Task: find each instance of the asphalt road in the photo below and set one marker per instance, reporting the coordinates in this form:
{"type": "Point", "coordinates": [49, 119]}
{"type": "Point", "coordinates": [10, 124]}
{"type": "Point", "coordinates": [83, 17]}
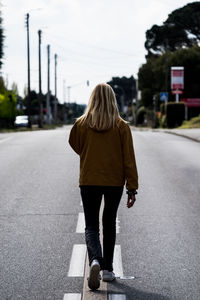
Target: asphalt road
{"type": "Point", "coordinates": [40, 203]}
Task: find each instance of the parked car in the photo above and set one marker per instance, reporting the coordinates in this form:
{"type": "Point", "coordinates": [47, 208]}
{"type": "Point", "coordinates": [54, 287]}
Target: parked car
{"type": "Point", "coordinates": [21, 121]}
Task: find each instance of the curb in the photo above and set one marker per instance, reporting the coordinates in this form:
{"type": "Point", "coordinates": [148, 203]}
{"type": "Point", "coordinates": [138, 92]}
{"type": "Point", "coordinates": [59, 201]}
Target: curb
{"type": "Point", "coordinates": [178, 134]}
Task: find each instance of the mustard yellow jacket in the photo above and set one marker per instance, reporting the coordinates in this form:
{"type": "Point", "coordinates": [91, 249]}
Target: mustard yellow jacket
{"type": "Point", "coordinates": [106, 157]}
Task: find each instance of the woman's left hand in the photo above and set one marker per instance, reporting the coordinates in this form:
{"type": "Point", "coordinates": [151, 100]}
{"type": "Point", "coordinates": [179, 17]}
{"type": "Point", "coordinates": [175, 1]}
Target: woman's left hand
{"type": "Point", "coordinates": [131, 200]}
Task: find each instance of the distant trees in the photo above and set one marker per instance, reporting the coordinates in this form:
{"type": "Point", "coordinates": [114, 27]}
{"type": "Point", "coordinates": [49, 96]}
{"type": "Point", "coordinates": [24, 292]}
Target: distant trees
{"type": "Point", "coordinates": [125, 90]}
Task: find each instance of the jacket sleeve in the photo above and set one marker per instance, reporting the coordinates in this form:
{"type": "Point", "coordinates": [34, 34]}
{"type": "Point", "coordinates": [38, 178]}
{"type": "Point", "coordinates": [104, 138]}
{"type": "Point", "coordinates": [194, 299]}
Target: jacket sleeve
{"type": "Point", "coordinates": [74, 139]}
{"type": "Point", "coordinates": [130, 168]}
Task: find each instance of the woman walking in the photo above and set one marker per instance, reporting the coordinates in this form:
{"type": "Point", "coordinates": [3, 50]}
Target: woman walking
{"type": "Point", "coordinates": [103, 141]}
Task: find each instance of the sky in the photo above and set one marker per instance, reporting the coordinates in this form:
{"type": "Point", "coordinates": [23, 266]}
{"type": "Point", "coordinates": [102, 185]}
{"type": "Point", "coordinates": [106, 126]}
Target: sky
{"type": "Point", "coordinates": [94, 40]}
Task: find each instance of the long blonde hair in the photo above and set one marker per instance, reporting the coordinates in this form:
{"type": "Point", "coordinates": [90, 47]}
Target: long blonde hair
{"type": "Point", "coordinates": [102, 112]}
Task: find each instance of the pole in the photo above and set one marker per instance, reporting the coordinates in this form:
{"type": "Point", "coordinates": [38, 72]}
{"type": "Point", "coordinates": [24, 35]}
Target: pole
{"type": "Point", "coordinates": [177, 97]}
{"type": "Point", "coordinates": [166, 66]}
{"type": "Point", "coordinates": [55, 98]}
{"type": "Point", "coordinates": [40, 83]}
{"type": "Point", "coordinates": [69, 87]}
{"type": "Point", "coordinates": [64, 100]}
{"type": "Point", "coordinates": [48, 85]}
{"type": "Point", "coordinates": [28, 61]}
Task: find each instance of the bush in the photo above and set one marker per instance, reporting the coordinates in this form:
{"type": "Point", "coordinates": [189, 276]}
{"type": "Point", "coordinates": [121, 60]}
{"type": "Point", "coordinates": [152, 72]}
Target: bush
{"type": "Point", "coordinates": [7, 109]}
{"type": "Point", "coordinates": [140, 115]}
{"type": "Point", "coordinates": [175, 114]}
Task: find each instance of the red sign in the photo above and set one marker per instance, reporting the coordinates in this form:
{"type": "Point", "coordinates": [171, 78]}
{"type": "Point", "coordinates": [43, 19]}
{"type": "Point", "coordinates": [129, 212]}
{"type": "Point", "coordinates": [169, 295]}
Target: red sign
{"type": "Point", "coordinates": [191, 102]}
{"type": "Point", "coordinates": [177, 78]}
{"type": "Point", "coordinates": [177, 92]}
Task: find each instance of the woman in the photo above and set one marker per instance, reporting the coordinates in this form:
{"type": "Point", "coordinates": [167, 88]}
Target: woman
{"type": "Point", "coordinates": [103, 141]}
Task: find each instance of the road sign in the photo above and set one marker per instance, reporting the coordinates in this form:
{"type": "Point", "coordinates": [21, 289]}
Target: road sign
{"type": "Point", "coordinates": [191, 102]}
{"type": "Point", "coordinates": [177, 92]}
{"type": "Point", "coordinates": [177, 78]}
{"type": "Point", "coordinates": [164, 96]}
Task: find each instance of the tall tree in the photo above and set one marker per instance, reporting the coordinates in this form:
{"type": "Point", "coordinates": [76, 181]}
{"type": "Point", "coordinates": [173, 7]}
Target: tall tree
{"type": "Point", "coordinates": [181, 29]}
{"type": "Point", "coordinates": [1, 40]}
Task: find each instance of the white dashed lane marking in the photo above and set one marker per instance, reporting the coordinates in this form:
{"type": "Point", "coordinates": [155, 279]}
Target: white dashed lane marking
{"type": "Point", "coordinates": [116, 297]}
{"type": "Point", "coordinates": [77, 263]}
{"type": "Point", "coordinates": [80, 228]}
{"type": "Point", "coordinates": [117, 261]}
{"type": "Point", "coordinates": [72, 297]}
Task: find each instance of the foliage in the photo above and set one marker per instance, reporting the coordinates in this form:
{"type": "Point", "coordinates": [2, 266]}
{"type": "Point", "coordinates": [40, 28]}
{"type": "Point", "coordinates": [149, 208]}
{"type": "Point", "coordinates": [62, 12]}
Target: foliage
{"type": "Point", "coordinates": [140, 116]}
{"type": "Point", "coordinates": [174, 114]}
{"type": "Point", "coordinates": [1, 41]}
{"type": "Point", "coordinates": [152, 75]}
{"type": "Point", "coordinates": [181, 29]}
{"type": "Point", "coordinates": [7, 109]}
{"type": "Point", "coordinates": [193, 123]}
{"type": "Point", "coordinates": [125, 89]}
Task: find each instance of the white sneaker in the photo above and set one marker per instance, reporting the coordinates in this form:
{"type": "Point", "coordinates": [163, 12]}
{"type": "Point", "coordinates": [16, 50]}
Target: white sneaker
{"type": "Point", "coordinates": [108, 276]}
{"type": "Point", "coordinates": [94, 278]}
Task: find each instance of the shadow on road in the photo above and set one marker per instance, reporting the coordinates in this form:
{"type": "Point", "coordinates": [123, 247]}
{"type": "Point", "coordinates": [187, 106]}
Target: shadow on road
{"type": "Point", "coordinates": [132, 293]}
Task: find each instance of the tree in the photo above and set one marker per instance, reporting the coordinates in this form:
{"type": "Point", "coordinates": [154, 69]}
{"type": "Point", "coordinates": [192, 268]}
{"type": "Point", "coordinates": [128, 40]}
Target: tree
{"type": "Point", "coordinates": [14, 88]}
{"type": "Point", "coordinates": [181, 29]}
{"type": "Point", "coordinates": [125, 89]}
{"type": "Point", "coordinates": [1, 41]}
{"type": "Point", "coordinates": [152, 74]}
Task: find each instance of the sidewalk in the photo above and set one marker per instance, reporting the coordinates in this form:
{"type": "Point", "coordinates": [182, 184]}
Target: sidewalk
{"type": "Point", "coordinates": [192, 133]}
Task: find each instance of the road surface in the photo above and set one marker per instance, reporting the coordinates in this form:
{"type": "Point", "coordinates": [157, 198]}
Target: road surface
{"type": "Point", "coordinates": [41, 220]}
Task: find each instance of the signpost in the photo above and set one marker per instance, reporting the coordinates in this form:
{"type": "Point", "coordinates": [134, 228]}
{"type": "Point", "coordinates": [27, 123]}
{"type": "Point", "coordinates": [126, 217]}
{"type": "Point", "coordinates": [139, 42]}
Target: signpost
{"type": "Point", "coordinates": [177, 81]}
{"type": "Point", "coordinates": [164, 96]}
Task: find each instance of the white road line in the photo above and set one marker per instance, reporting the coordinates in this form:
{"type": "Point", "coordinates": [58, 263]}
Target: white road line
{"type": "Point", "coordinates": [77, 263]}
{"type": "Point", "coordinates": [117, 225]}
{"type": "Point", "coordinates": [80, 228]}
{"type": "Point", "coordinates": [116, 297]}
{"type": "Point", "coordinates": [117, 261]}
{"type": "Point", "coordinates": [3, 140]}
{"type": "Point", "coordinates": [72, 297]}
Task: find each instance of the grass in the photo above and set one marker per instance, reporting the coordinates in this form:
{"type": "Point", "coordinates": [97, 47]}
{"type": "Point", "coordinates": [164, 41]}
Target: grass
{"type": "Point", "coordinates": [193, 123]}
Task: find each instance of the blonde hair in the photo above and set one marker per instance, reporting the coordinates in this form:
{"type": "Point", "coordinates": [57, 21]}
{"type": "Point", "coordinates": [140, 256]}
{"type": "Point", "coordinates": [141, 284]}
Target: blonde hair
{"type": "Point", "coordinates": [102, 112]}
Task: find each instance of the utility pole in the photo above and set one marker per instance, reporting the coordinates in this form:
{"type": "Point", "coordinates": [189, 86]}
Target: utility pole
{"type": "Point", "coordinates": [166, 66]}
{"type": "Point", "coordinates": [28, 61]}
{"type": "Point", "coordinates": [64, 102]}
{"type": "Point", "coordinates": [48, 86]}
{"type": "Point", "coordinates": [68, 88]}
{"type": "Point", "coordinates": [40, 83]}
{"type": "Point", "coordinates": [55, 98]}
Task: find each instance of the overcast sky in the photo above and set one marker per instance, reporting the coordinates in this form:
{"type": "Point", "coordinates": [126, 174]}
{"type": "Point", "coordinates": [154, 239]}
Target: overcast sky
{"type": "Point", "coordinates": [94, 40]}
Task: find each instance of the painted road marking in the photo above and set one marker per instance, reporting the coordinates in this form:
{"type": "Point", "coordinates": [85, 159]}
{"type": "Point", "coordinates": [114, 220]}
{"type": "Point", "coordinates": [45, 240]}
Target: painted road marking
{"type": "Point", "coordinates": [72, 297]}
{"type": "Point", "coordinates": [117, 261]}
{"type": "Point", "coordinates": [80, 228]}
{"type": "Point", "coordinates": [117, 225]}
{"type": "Point", "coordinates": [116, 297]}
{"type": "Point", "coordinates": [77, 263]}
{"type": "Point", "coordinates": [4, 140]}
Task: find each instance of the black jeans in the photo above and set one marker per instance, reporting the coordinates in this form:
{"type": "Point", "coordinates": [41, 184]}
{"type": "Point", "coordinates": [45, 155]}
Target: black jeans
{"type": "Point", "coordinates": [91, 198]}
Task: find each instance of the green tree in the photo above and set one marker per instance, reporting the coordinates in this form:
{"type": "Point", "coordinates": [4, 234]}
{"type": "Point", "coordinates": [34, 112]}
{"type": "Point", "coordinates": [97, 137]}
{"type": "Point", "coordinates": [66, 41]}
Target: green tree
{"type": "Point", "coordinates": [124, 88]}
{"type": "Point", "coordinates": [181, 29]}
{"type": "Point", "coordinates": [152, 74]}
{"type": "Point", "coordinates": [1, 41]}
